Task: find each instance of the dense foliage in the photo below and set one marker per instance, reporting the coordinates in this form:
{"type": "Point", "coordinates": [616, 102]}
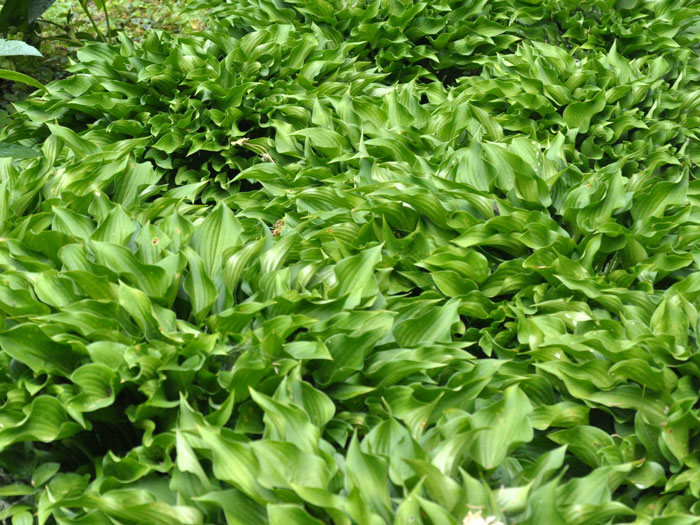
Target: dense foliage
{"type": "Point", "coordinates": [25, 15]}
{"type": "Point", "coordinates": [21, 13]}
{"type": "Point", "coordinates": [371, 261]}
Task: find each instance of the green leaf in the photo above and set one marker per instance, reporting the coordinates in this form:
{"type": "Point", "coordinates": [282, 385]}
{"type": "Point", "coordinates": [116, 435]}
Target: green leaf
{"type": "Point", "coordinates": [152, 279]}
{"type": "Point", "coordinates": [28, 344]}
{"type": "Point", "coordinates": [579, 114]}
{"type": "Point", "coordinates": [80, 146]}
{"type": "Point", "coordinates": [307, 350]}
{"type": "Point", "coordinates": [433, 327]}
{"type": "Point", "coordinates": [45, 420]}
{"type": "Point", "coordinates": [355, 276]}
{"type": "Point", "coordinates": [43, 473]}
{"type": "Point", "coordinates": [17, 47]}
{"type": "Point", "coordinates": [198, 285]}
{"type": "Point", "coordinates": [37, 8]}
{"type": "Point", "coordinates": [17, 151]}
{"type": "Point", "coordinates": [282, 514]}
{"type": "Point", "coordinates": [218, 233]}
{"type": "Point", "coordinates": [367, 474]}
{"type": "Point", "coordinates": [504, 425]}
{"type": "Point", "coordinates": [325, 140]}
{"type": "Point", "coordinates": [234, 463]}
{"type": "Point", "coordinates": [14, 76]}
{"type": "Point", "coordinates": [238, 509]}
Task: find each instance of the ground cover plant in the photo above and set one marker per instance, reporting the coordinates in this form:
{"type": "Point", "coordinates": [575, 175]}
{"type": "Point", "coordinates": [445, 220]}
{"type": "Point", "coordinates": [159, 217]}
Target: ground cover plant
{"type": "Point", "coordinates": [65, 26]}
{"type": "Point", "coordinates": [372, 261]}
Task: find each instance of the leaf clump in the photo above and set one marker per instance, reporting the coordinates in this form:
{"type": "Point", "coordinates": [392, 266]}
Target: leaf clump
{"type": "Point", "coordinates": [358, 262]}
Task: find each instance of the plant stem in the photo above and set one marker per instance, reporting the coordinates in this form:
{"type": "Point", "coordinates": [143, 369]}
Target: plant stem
{"type": "Point", "coordinates": [83, 4]}
{"type": "Point", "coordinates": [109, 29]}
{"type": "Point", "coordinates": [62, 28]}
{"type": "Point", "coordinates": [73, 41]}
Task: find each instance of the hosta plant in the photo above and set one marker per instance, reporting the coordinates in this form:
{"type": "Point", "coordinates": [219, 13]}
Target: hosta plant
{"type": "Point", "coordinates": [358, 262]}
